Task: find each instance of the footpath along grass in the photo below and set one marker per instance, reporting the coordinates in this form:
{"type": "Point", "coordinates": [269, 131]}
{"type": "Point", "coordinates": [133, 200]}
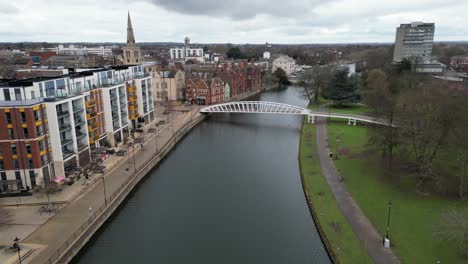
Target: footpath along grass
{"type": "Point", "coordinates": [343, 241]}
{"type": "Point", "coordinates": [413, 216]}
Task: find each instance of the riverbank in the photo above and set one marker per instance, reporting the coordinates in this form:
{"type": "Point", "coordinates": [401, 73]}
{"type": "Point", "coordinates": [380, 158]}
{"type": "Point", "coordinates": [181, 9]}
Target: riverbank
{"type": "Point", "coordinates": [338, 236]}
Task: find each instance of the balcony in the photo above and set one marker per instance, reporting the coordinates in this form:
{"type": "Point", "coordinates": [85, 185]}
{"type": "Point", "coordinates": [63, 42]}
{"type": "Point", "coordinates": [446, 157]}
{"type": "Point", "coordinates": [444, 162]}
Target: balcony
{"type": "Point", "coordinates": [67, 153]}
{"type": "Point", "coordinates": [114, 106]}
{"type": "Point", "coordinates": [77, 109]}
{"type": "Point", "coordinates": [62, 114]}
{"type": "Point", "coordinates": [79, 122]}
{"type": "Point", "coordinates": [113, 96]}
{"type": "Point", "coordinates": [82, 146]}
{"type": "Point", "coordinates": [66, 141]}
{"type": "Point", "coordinates": [80, 134]}
{"type": "Point", "coordinates": [121, 94]}
{"type": "Point", "coordinates": [64, 127]}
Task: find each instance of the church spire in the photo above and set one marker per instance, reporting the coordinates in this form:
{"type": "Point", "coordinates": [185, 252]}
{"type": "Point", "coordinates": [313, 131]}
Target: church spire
{"type": "Point", "coordinates": [130, 36]}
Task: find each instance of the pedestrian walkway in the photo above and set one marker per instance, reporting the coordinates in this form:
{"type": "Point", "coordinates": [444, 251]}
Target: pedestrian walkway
{"type": "Point", "coordinates": [360, 224]}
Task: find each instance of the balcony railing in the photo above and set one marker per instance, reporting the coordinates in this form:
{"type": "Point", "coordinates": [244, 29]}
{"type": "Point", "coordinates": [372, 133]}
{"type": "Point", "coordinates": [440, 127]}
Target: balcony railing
{"type": "Point", "coordinates": [80, 134]}
{"type": "Point", "coordinates": [61, 114]}
{"type": "Point", "coordinates": [67, 153]}
{"type": "Point", "coordinates": [66, 141]}
{"type": "Point", "coordinates": [64, 126]}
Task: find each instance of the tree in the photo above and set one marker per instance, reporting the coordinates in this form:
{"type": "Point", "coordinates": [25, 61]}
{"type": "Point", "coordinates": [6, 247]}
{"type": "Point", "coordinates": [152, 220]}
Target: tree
{"type": "Point", "coordinates": [7, 71]}
{"type": "Point", "coordinates": [269, 79]}
{"type": "Point", "coordinates": [342, 89]}
{"type": "Point", "coordinates": [425, 118]}
{"type": "Point", "coordinates": [315, 80]}
{"type": "Point", "coordinates": [452, 228]}
{"type": "Point", "coordinates": [234, 53]}
{"type": "Point", "coordinates": [383, 100]}
{"type": "Point", "coordinates": [281, 75]}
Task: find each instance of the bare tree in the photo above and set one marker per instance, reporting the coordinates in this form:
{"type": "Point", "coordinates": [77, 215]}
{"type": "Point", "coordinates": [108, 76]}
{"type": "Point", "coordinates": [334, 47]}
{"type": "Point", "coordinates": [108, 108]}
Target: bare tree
{"type": "Point", "coordinates": [315, 80]}
{"type": "Point", "coordinates": [452, 227]}
{"type": "Point", "coordinates": [426, 116]}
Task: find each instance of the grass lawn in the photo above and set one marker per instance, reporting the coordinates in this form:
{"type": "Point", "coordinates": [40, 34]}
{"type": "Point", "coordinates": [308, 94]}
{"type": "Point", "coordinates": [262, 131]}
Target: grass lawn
{"type": "Point", "coordinates": [413, 216]}
{"type": "Point", "coordinates": [339, 233]}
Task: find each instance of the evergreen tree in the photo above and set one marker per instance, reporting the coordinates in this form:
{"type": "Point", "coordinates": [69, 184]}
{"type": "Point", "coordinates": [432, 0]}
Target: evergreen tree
{"type": "Point", "coordinates": [342, 88]}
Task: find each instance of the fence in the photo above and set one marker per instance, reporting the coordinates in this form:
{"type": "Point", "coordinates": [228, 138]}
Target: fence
{"type": "Point", "coordinates": [79, 238]}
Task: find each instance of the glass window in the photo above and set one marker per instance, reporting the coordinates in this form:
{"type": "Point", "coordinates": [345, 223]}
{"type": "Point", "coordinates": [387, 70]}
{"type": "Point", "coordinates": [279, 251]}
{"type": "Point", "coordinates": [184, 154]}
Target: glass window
{"type": "Point", "coordinates": [33, 95]}
{"type": "Point", "coordinates": [8, 117]}
{"type": "Point", "coordinates": [16, 164]}
{"type": "Point", "coordinates": [37, 115]}
{"type": "Point", "coordinates": [4, 178]}
{"type": "Point", "coordinates": [13, 149]}
{"type": "Point", "coordinates": [50, 88]}
{"type": "Point", "coordinates": [17, 94]}
{"type": "Point", "coordinates": [39, 130]}
{"type": "Point", "coordinates": [30, 163]}
{"type": "Point", "coordinates": [32, 177]}
{"type": "Point", "coordinates": [6, 94]}
{"type": "Point", "coordinates": [10, 133]}
{"type": "Point", "coordinates": [23, 117]}
{"type": "Point", "coordinates": [2, 167]}
{"type": "Point", "coordinates": [28, 148]}
{"type": "Point", "coordinates": [41, 145]}
{"type": "Point", "coordinates": [25, 132]}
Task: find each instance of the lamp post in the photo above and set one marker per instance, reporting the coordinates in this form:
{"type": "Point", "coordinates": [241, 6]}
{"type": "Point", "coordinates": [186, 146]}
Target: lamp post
{"type": "Point", "coordinates": [104, 187]}
{"type": "Point", "coordinates": [388, 219]}
{"type": "Point", "coordinates": [17, 248]}
{"type": "Point", "coordinates": [337, 146]}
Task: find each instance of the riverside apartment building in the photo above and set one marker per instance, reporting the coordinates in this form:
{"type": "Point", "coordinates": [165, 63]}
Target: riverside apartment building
{"type": "Point", "coordinates": [53, 123]}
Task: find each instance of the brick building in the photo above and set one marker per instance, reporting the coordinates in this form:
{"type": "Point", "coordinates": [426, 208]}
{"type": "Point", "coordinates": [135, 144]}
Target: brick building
{"type": "Point", "coordinates": [204, 91]}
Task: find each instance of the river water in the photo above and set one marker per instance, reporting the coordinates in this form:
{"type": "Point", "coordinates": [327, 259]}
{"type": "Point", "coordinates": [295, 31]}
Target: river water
{"type": "Point", "coordinates": [230, 192]}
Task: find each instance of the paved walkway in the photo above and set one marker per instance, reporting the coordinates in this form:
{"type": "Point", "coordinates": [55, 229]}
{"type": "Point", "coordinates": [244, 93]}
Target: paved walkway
{"type": "Point", "coordinates": [360, 224]}
{"type": "Point", "coordinates": [55, 232]}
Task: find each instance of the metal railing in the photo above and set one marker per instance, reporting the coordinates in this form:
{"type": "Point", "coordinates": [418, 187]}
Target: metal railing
{"type": "Point", "coordinates": [76, 240]}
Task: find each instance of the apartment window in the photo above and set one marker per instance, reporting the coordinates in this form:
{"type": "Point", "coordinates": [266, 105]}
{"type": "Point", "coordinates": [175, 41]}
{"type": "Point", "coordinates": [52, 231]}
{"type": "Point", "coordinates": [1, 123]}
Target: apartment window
{"type": "Point", "coordinates": [6, 94]}
{"type": "Point", "coordinates": [13, 149]}
{"type": "Point", "coordinates": [50, 88]}
{"type": "Point", "coordinates": [25, 132]}
{"type": "Point", "coordinates": [32, 177]}
{"type": "Point", "coordinates": [39, 131]}
{"type": "Point", "coordinates": [2, 166]}
{"type": "Point", "coordinates": [33, 95]}
{"type": "Point", "coordinates": [28, 148]}
{"type": "Point", "coordinates": [30, 163]}
{"type": "Point", "coordinates": [41, 90]}
{"type": "Point", "coordinates": [16, 164]}
{"type": "Point", "coordinates": [18, 175]}
{"type": "Point", "coordinates": [8, 117]}
{"type": "Point", "coordinates": [43, 160]}
{"type": "Point", "coordinates": [17, 94]}
{"type": "Point", "coordinates": [23, 117]}
{"type": "Point", "coordinates": [37, 115]}
{"type": "Point", "coordinates": [11, 135]}
{"type": "Point", "coordinates": [3, 175]}
{"type": "Point", "coordinates": [41, 145]}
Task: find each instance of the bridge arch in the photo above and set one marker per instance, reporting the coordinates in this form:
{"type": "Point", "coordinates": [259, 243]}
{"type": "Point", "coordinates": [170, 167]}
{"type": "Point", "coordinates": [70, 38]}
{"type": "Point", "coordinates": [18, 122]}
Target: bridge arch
{"type": "Point", "coordinates": [265, 107]}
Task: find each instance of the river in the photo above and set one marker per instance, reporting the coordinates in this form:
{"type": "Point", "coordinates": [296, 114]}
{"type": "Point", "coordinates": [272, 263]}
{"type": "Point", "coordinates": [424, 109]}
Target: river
{"type": "Point", "coordinates": [230, 192]}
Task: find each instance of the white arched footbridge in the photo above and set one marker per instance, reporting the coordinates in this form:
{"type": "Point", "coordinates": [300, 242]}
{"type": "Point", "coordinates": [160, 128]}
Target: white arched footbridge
{"type": "Point", "coordinates": [257, 107]}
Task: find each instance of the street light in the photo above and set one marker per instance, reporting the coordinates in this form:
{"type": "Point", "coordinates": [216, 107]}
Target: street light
{"type": "Point", "coordinates": [17, 248]}
{"type": "Point", "coordinates": [337, 147]}
{"type": "Point", "coordinates": [104, 186]}
{"type": "Point", "coordinates": [388, 220]}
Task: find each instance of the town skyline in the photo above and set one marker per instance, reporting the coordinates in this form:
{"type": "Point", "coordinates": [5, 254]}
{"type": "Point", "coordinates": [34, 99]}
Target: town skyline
{"type": "Point", "coordinates": [315, 22]}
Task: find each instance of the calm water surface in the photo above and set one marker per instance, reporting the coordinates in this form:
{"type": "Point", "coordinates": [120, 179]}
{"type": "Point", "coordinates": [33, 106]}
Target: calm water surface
{"type": "Point", "coordinates": [229, 193]}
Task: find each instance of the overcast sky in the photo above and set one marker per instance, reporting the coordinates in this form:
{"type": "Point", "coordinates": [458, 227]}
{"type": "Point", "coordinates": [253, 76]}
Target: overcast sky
{"type": "Point", "coordinates": [227, 21]}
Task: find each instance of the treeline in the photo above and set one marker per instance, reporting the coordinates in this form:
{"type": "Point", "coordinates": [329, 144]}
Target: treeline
{"type": "Point", "coordinates": [427, 120]}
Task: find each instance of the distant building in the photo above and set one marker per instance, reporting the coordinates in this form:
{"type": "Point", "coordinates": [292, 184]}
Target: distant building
{"type": "Point", "coordinates": [430, 67]}
{"type": "Point", "coordinates": [459, 63]}
{"type": "Point", "coordinates": [350, 67]}
{"type": "Point", "coordinates": [78, 50]}
{"type": "Point", "coordinates": [168, 83]}
{"type": "Point", "coordinates": [266, 55]}
{"type": "Point", "coordinates": [187, 52]}
{"type": "Point", "coordinates": [204, 91]}
{"type": "Point", "coordinates": [414, 41]}
{"type": "Point", "coordinates": [286, 63]}
{"type": "Point", "coordinates": [131, 52]}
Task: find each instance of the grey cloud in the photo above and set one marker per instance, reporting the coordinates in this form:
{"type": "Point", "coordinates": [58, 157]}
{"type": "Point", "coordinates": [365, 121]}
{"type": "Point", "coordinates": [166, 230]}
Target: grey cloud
{"type": "Point", "coordinates": [240, 9]}
{"type": "Point", "coordinates": [7, 8]}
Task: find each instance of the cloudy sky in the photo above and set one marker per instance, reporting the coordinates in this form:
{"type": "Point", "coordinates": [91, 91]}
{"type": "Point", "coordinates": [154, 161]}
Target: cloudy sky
{"type": "Point", "coordinates": [223, 21]}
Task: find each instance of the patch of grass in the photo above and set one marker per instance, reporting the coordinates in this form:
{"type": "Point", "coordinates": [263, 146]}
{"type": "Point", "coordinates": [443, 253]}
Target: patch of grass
{"type": "Point", "coordinates": [336, 228]}
{"type": "Point", "coordinates": [413, 216]}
